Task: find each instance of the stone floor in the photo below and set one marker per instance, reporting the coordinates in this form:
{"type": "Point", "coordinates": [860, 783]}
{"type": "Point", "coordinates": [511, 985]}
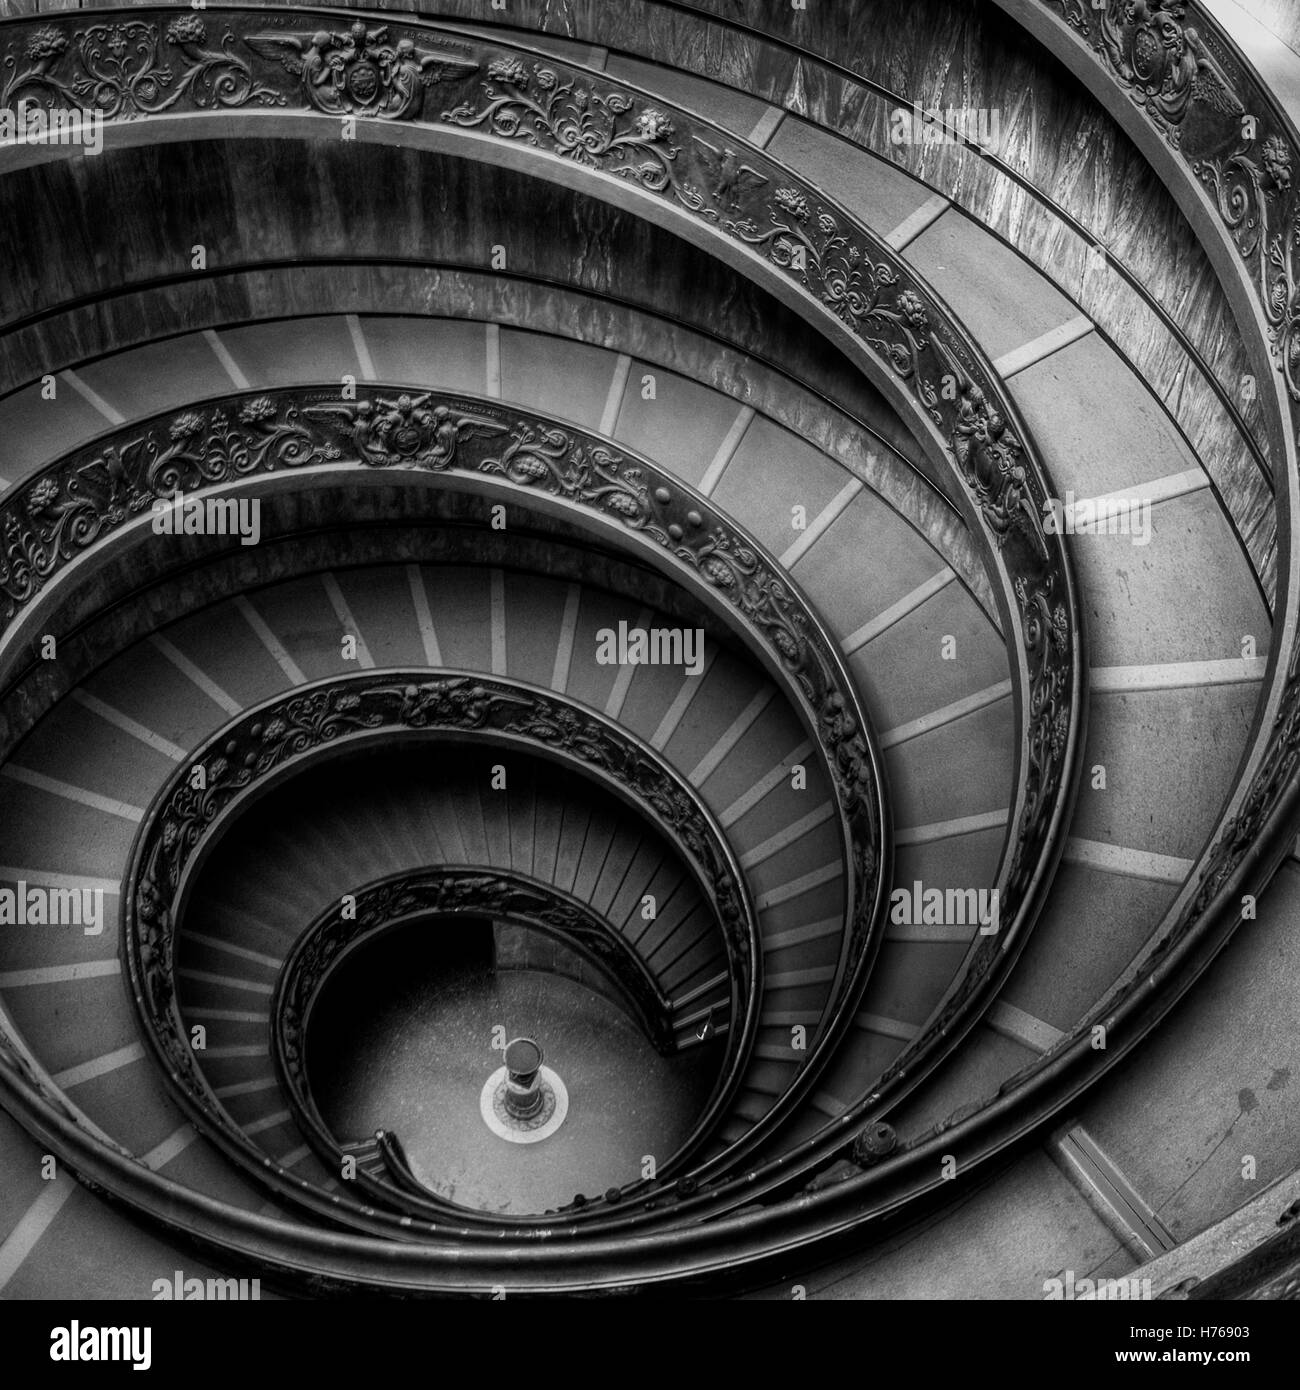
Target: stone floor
{"type": "Point", "coordinates": [418, 1032]}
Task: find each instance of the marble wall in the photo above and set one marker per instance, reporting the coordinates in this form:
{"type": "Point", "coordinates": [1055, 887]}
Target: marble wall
{"type": "Point", "coordinates": [1066, 177]}
{"type": "Point", "coordinates": [1281, 17]}
{"type": "Point", "coordinates": [429, 223]}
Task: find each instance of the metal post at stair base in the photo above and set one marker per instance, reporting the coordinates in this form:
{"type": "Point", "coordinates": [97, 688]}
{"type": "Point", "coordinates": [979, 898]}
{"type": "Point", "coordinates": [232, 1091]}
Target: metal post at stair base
{"type": "Point", "coordinates": [523, 1102]}
{"type": "Point", "coordinates": [524, 1096]}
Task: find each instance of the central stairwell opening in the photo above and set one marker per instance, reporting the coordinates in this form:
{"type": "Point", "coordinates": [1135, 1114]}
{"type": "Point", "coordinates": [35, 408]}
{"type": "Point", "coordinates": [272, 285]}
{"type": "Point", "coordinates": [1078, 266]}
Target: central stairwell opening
{"type": "Point", "coordinates": [403, 1040]}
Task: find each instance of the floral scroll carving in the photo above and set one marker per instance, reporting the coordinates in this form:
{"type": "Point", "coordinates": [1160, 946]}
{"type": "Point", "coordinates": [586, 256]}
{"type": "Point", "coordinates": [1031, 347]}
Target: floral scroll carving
{"type": "Point", "coordinates": [131, 68]}
{"type": "Point", "coordinates": [69, 508]}
{"type": "Point", "coordinates": [415, 72]}
{"type": "Point", "coordinates": [571, 118]}
{"type": "Point", "coordinates": [286, 730]}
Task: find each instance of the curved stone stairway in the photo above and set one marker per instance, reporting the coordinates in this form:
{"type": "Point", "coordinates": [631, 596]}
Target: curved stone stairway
{"type": "Point", "coordinates": [941, 714]}
{"type": "Point", "coordinates": [1177, 631]}
{"type": "Point", "coordinates": [1176, 646]}
{"type": "Point", "coordinates": [183, 683]}
{"type": "Point", "coordinates": [382, 816]}
{"type": "Point", "coordinates": [1164, 664]}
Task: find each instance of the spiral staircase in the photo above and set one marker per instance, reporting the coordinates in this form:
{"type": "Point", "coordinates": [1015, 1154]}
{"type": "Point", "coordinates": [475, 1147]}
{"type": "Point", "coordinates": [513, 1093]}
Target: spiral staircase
{"type": "Point", "coordinates": [946, 902]}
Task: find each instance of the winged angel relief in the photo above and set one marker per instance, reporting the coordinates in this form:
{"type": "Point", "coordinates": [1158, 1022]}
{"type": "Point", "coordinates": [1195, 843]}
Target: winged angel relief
{"type": "Point", "coordinates": [404, 432]}
{"type": "Point", "coordinates": [1165, 61]}
{"type": "Point", "coordinates": [360, 72]}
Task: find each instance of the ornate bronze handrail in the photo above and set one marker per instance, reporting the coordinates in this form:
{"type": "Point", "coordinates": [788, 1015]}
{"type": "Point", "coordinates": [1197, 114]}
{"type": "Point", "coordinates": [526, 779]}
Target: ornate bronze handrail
{"type": "Point", "coordinates": [86, 499]}
{"type": "Point", "coordinates": [1186, 81]}
{"type": "Point", "coordinates": [881, 314]}
{"type": "Point", "coordinates": [1243, 861]}
{"type": "Point", "coordinates": [260, 747]}
{"type": "Point", "coordinates": [491, 99]}
{"type": "Point", "coordinates": [1183, 77]}
{"type": "Point", "coordinates": [403, 898]}
{"type": "Point", "coordinates": [785, 29]}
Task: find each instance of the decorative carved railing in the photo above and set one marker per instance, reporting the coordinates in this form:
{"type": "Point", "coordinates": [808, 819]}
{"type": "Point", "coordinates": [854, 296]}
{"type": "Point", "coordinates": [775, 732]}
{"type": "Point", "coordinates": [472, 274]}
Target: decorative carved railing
{"type": "Point", "coordinates": [1184, 74]}
{"type": "Point", "coordinates": [406, 898]}
{"type": "Point", "coordinates": [488, 99]}
{"type": "Point", "coordinates": [345, 714]}
{"type": "Point", "coordinates": [775, 36]}
{"type": "Point", "coordinates": [481, 891]}
{"type": "Point", "coordinates": [477, 891]}
{"type": "Point", "coordinates": [146, 65]}
{"type": "Point", "coordinates": [1244, 853]}
{"type": "Point", "coordinates": [87, 498]}
{"type": "Point", "coordinates": [1229, 136]}
{"type": "Point", "coordinates": [1184, 77]}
